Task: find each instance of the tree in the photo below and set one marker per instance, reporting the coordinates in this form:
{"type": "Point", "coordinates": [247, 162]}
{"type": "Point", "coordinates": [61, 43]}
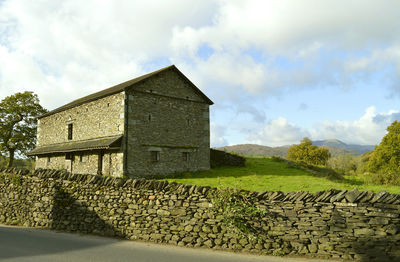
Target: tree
{"type": "Point", "coordinates": [308, 153]}
{"type": "Point", "coordinates": [385, 159]}
{"type": "Point", "coordinates": [18, 122]}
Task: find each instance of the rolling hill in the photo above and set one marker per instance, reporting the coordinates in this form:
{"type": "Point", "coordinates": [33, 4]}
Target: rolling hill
{"type": "Point", "coordinates": [335, 147]}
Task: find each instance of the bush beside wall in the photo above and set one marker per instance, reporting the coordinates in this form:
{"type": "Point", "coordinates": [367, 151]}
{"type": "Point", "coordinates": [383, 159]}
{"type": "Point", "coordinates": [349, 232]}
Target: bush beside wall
{"type": "Point", "coordinates": [329, 224]}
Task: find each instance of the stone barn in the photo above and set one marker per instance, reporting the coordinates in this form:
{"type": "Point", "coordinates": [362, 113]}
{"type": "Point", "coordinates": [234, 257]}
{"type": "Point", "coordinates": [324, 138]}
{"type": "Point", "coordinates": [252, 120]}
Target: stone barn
{"type": "Point", "coordinates": [157, 123]}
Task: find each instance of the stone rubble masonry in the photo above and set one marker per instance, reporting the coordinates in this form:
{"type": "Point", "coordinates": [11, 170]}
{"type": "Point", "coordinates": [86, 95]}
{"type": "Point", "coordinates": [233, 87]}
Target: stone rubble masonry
{"type": "Point", "coordinates": [352, 225]}
{"type": "Point", "coordinates": [167, 116]}
{"type": "Point", "coordinates": [101, 118]}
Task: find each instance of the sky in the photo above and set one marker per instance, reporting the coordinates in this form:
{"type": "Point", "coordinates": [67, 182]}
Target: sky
{"type": "Point", "coordinates": [277, 70]}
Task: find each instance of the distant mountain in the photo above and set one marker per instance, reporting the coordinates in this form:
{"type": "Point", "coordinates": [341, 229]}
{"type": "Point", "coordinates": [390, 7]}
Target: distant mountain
{"type": "Point", "coordinates": [359, 149]}
{"type": "Point", "coordinates": [335, 147]}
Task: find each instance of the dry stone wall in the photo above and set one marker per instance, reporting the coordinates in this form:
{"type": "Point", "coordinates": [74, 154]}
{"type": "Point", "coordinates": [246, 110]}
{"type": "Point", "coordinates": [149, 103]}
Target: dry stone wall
{"type": "Point", "coordinates": [222, 158]}
{"type": "Point", "coordinates": [335, 224]}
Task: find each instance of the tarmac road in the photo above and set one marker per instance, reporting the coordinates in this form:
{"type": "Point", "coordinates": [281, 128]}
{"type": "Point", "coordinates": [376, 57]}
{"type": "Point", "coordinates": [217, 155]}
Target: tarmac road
{"type": "Point", "coordinates": [27, 244]}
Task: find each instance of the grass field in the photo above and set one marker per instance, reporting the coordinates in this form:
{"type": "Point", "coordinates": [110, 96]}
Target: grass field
{"type": "Point", "coordinates": [262, 174]}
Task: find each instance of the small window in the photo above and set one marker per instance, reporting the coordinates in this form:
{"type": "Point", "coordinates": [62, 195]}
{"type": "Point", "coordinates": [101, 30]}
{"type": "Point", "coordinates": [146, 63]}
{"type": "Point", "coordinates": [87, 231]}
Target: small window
{"type": "Point", "coordinates": [150, 117]}
{"type": "Point", "coordinates": [185, 156]}
{"type": "Point", "coordinates": [48, 159]}
{"type": "Point", "coordinates": [155, 156]}
{"type": "Point", "coordinates": [82, 158]}
{"type": "Point", "coordinates": [69, 156]}
{"type": "Point", "coordinates": [108, 104]}
{"type": "Point", "coordinates": [69, 131]}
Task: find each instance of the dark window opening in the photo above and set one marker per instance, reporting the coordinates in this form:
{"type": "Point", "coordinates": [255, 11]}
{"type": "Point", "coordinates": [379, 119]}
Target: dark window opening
{"type": "Point", "coordinates": [100, 163]}
{"type": "Point", "coordinates": [185, 156]}
{"type": "Point", "coordinates": [150, 117]}
{"type": "Point", "coordinates": [155, 156]}
{"type": "Point", "coordinates": [82, 158]}
{"type": "Point", "coordinates": [69, 131]}
{"type": "Point", "coordinates": [68, 156]}
{"type": "Point", "coordinates": [48, 159]}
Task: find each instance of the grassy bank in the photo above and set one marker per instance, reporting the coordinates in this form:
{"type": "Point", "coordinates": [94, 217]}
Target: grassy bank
{"type": "Point", "coordinates": [262, 174]}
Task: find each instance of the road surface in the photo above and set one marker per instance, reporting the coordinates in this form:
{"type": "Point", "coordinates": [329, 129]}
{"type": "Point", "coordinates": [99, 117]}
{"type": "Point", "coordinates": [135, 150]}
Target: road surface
{"type": "Point", "coordinates": [27, 244]}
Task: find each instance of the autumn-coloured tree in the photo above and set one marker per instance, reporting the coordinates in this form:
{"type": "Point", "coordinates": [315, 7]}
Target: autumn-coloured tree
{"type": "Point", "coordinates": [18, 122]}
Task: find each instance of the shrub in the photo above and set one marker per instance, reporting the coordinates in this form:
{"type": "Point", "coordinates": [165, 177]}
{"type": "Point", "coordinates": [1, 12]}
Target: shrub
{"type": "Point", "coordinates": [238, 210]}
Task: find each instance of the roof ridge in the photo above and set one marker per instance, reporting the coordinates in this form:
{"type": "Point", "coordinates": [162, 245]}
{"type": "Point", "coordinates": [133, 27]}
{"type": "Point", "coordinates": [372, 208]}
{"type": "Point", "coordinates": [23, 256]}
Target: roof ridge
{"type": "Point", "coordinates": [105, 92]}
{"type": "Point", "coordinates": [122, 87]}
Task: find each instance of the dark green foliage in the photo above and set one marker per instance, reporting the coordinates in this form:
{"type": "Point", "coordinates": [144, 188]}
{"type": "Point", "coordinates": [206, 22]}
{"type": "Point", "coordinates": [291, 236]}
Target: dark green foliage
{"type": "Point", "coordinates": [18, 121]}
{"type": "Point", "coordinates": [308, 153]}
{"type": "Point", "coordinates": [384, 161]}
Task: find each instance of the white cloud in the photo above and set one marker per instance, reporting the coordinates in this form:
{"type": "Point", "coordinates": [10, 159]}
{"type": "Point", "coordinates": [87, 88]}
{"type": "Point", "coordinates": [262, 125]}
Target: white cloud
{"type": "Point", "coordinates": [72, 46]}
{"type": "Point", "coordinates": [368, 130]}
{"type": "Point", "coordinates": [278, 132]}
{"type": "Point", "coordinates": [316, 35]}
{"type": "Point", "coordinates": [65, 50]}
{"type": "Point", "coordinates": [217, 135]}
{"type": "Point", "coordinates": [287, 26]}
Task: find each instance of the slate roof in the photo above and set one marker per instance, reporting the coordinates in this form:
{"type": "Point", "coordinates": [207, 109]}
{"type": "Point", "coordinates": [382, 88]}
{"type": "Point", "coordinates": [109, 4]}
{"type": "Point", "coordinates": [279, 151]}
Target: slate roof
{"type": "Point", "coordinates": [92, 144]}
{"type": "Point", "coordinates": [122, 87]}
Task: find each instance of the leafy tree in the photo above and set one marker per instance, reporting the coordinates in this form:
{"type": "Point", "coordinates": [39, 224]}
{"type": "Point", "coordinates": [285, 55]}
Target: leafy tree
{"type": "Point", "coordinates": [385, 159]}
{"type": "Point", "coordinates": [18, 122]}
{"type": "Point", "coordinates": [308, 153]}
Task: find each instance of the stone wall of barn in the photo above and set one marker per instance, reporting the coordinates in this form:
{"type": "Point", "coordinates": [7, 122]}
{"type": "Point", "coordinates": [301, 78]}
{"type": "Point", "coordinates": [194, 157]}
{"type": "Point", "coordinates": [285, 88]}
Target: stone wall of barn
{"type": "Point", "coordinates": [103, 117]}
{"type": "Point", "coordinates": [167, 116]}
{"type": "Point", "coordinates": [100, 118]}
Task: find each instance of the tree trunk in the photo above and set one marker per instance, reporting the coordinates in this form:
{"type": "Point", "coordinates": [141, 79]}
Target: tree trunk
{"type": "Point", "coordinates": [11, 160]}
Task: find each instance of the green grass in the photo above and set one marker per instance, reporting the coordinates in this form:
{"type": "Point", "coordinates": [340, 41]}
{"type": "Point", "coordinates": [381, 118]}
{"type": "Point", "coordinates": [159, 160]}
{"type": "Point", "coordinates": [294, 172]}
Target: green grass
{"type": "Point", "coordinates": [262, 174]}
